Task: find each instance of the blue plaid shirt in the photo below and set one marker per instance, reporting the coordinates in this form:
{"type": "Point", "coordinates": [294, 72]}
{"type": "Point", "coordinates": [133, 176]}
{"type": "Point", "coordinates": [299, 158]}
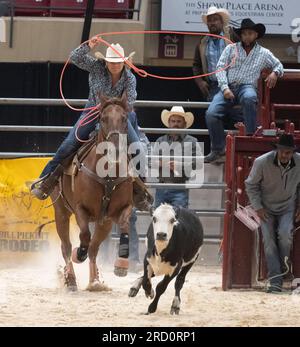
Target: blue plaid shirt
{"type": "Point", "coordinates": [100, 79]}
{"type": "Point", "coordinates": [214, 49]}
{"type": "Point", "coordinates": [247, 68]}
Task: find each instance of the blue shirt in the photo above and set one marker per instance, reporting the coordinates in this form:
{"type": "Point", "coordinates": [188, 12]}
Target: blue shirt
{"type": "Point", "coordinates": [213, 53]}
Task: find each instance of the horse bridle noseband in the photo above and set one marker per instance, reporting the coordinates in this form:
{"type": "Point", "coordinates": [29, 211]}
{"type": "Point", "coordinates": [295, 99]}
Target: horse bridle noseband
{"type": "Point", "coordinates": [113, 132]}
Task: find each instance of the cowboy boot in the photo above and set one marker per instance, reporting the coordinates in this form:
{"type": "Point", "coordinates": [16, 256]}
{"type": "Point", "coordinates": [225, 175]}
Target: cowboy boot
{"type": "Point", "coordinates": [142, 199]}
{"type": "Point", "coordinates": [45, 186]}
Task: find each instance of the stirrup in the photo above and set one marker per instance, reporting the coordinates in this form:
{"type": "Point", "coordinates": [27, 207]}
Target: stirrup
{"type": "Point", "coordinates": [37, 181]}
{"type": "Point", "coordinates": [45, 186]}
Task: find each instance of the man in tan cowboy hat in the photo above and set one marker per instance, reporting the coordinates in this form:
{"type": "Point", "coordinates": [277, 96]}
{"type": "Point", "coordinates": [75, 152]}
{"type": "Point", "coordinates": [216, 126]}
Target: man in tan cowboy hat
{"type": "Point", "coordinates": [209, 50]}
{"type": "Point", "coordinates": [177, 118]}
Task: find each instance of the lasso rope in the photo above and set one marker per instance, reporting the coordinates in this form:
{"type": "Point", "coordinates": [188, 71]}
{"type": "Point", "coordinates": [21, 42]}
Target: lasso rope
{"type": "Point", "coordinates": [93, 111]}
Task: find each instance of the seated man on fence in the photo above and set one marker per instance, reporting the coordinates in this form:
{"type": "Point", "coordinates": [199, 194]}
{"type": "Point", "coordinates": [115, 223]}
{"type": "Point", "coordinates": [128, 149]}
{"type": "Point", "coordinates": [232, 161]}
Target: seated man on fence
{"type": "Point", "coordinates": [273, 188]}
{"type": "Point", "coordinates": [170, 167]}
{"type": "Point", "coordinates": [238, 83]}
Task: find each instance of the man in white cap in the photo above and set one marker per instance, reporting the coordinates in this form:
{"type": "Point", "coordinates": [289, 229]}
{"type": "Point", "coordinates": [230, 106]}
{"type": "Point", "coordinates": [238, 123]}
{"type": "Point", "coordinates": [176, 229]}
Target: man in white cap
{"type": "Point", "coordinates": [209, 50]}
{"type": "Point", "coordinates": [177, 118]}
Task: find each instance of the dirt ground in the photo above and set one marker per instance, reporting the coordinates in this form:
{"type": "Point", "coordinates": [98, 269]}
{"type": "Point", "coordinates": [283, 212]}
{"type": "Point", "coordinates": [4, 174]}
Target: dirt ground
{"type": "Point", "coordinates": [32, 295]}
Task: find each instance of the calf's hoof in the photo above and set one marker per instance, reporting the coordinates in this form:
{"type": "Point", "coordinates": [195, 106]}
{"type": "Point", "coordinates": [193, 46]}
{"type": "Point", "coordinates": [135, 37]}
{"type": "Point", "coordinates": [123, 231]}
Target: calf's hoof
{"type": "Point", "coordinates": [150, 294]}
{"type": "Point", "coordinates": [175, 308]}
{"type": "Point", "coordinates": [152, 308]}
{"type": "Point", "coordinates": [132, 292]}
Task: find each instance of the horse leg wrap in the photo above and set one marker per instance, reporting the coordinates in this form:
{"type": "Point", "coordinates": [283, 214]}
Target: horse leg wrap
{"type": "Point", "coordinates": [124, 246]}
{"type": "Point", "coordinates": [122, 263]}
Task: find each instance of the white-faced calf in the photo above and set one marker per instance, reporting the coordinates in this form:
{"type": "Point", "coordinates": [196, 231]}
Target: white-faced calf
{"type": "Point", "coordinates": [175, 237]}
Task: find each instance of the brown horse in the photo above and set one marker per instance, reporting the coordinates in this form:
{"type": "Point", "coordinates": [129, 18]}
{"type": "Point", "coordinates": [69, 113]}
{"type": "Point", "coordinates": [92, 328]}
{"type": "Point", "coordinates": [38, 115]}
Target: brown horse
{"type": "Point", "coordinates": [94, 198]}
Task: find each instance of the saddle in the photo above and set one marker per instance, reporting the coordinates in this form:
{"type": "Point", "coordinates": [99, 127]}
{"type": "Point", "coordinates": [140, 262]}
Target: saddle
{"type": "Point", "coordinates": [72, 163]}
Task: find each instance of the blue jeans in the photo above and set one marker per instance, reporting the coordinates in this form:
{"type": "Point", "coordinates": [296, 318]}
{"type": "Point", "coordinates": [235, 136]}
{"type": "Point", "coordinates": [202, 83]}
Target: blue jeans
{"type": "Point", "coordinates": [213, 90]}
{"type": "Point", "coordinates": [70, 144]}
{"type": "Point", "coordinates": [246, 96]}
{"type": "Point", "coordinates": [234, 115]}
{"type": "Point", "coordinates": [277, 234]}
{"type": "Point", "coordinates": [174, 197]}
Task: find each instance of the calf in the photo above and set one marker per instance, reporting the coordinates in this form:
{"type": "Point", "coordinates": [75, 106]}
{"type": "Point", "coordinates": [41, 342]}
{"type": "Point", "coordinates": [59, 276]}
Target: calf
{"type": "Point", "coordinates": [175, 237]}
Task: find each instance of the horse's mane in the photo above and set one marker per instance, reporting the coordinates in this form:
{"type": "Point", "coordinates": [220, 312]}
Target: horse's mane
{"type": "Point", "coordinates": [114, 101]}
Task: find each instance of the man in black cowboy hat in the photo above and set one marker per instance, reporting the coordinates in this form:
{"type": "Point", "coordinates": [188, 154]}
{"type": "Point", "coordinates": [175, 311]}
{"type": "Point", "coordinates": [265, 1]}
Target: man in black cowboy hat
{"type": "Point", "coordinates": [273, 188]}
{"type": "Point", "coordinates": [238, 83]}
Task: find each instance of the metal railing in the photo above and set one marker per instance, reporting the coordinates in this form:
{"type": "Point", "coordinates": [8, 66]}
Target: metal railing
{"type": "Point", "coordinates": [216, 213]}
{"type": "Point", "coordinates": [139, 103]}
{"type": "Point", "coordinates": [82, 102]}
{"type": "Point", "coordinates": [48, 128]}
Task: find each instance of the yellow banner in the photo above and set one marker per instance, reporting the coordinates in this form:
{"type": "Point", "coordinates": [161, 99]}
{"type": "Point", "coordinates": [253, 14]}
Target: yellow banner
{"type": "Point", "coordinates": [21, 214]}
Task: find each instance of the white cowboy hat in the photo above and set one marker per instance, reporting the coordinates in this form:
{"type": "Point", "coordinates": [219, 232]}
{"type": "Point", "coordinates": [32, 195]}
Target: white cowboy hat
{"type": "Point", "coordinates": [179, 111]}
{"type": "Point", "coordinates": [220, 11]}
{"type": "Point", "coordinates": [112, 56]}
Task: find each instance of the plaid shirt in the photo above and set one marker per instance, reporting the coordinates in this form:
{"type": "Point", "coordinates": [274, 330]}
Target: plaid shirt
{"type": "Point", "coordinates": [247, 68]}
{"type": "Point", "coordinates": [213, 53]}
{"type": "Point", "coordinates": [100, 78]}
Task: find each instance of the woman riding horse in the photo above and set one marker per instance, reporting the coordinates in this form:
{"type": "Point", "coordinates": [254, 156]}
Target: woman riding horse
{"type": "Point", "coordinates": [97, 192]}
{"type": "Point", "coordinates": [107, 76]}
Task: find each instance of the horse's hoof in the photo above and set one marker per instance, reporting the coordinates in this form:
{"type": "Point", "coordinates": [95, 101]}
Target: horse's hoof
{"type": "Point", "coordinates": [121, 267]}
{"type": "Point", "coordinates": [132, 292]}
{"type": "Point", "coordinates": [71, 289]}
{"type": "Point", "coordinates": [120, 272]}
{"type": "Point", "coordinates": [78, 256]}
{"type": "Point", "coordinates": [98, 286]}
